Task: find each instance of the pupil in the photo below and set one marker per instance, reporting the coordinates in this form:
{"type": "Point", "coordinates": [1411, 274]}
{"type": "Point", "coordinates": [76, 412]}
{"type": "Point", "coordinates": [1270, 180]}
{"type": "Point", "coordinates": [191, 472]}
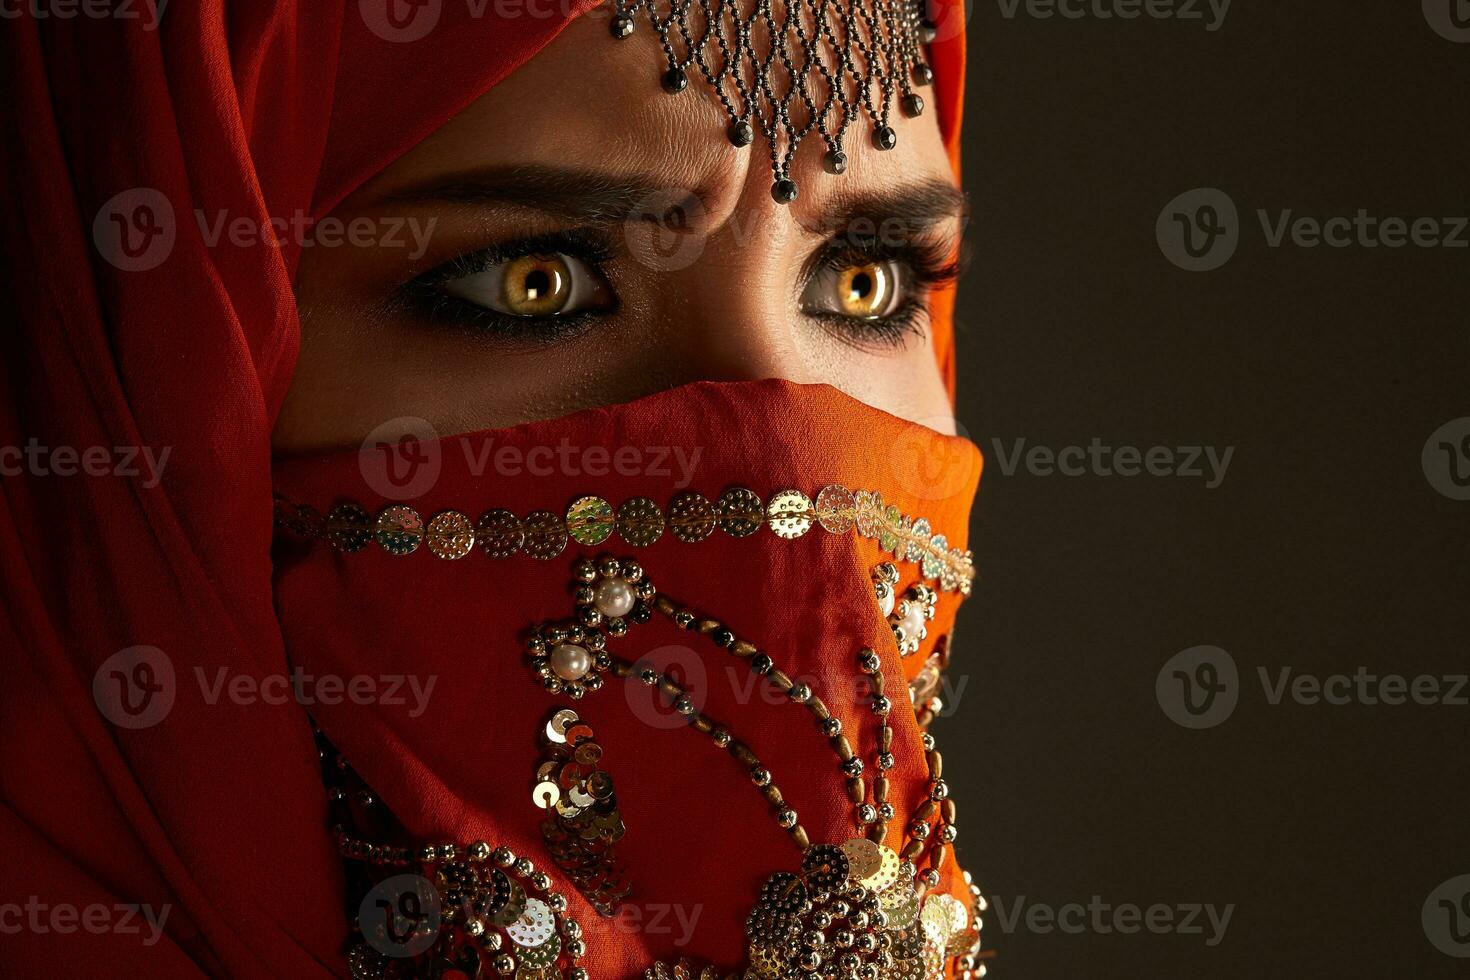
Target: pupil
{"type": "Point", "coordinates": [537, 284]}
{"type": "Point", "coordinates": [862, 285]}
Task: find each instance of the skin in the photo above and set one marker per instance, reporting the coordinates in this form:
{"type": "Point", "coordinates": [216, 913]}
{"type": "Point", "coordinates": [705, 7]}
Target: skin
{"type": "Point", "coordinates": [720, 300]}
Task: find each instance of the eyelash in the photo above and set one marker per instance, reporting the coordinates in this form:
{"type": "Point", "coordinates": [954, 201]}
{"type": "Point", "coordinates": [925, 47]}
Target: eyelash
{"type": "Point", "coordinates": [927, 267]}
{"type": "Point", "coordinates": [426, 297]}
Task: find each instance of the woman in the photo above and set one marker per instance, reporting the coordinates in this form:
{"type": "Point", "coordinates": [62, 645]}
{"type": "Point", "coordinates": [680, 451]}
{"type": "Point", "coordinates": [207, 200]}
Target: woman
{"type": "Point", "coordinates": [618, 537]}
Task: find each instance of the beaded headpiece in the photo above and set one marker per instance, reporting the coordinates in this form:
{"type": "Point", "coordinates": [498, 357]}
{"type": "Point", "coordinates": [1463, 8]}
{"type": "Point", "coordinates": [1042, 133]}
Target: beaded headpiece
{"type": "Point", "coordinates": [786, 67]}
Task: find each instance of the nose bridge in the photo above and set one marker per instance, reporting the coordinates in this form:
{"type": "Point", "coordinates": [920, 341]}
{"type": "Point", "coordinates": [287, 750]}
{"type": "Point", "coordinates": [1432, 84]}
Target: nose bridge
{"type": "Point", "coordinates": [732, 313]}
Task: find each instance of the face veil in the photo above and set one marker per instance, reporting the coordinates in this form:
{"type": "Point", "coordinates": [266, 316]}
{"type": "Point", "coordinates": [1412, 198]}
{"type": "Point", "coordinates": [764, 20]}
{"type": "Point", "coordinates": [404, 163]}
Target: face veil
{"type": "Point", "coordinates": [215, 810]}
{"type": "Point", "coordinates": [799, 576]}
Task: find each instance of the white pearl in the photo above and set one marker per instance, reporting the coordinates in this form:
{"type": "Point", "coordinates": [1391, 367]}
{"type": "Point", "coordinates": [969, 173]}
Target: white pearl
{"type": "Point", "coordinates": [614, 597]}
{"type": "Point", "coordinates": [886, 599]}
{"type": "Point", "coordinates": [913, 621]}
{"type": "Point", "coordinates": [570, 662]}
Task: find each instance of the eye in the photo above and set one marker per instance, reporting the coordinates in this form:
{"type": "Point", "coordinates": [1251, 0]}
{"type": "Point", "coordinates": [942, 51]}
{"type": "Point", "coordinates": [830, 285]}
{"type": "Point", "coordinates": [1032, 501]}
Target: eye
{"type": "Point", "coordinates": [863, 290]}
{"type": "Point", "coordinates": [539, 285]}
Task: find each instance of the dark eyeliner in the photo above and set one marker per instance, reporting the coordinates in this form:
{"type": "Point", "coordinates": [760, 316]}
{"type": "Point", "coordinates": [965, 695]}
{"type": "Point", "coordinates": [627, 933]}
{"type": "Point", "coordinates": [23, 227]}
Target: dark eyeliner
{"type": "Point", "coordinates": [425, 297]}
{"type": "Point", "coordinates": [927, 266]}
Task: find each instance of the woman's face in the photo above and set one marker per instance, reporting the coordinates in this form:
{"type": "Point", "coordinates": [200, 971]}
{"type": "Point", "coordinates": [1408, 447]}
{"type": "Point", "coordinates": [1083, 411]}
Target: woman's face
{"type": "Point", "coordinates": [592, 239]}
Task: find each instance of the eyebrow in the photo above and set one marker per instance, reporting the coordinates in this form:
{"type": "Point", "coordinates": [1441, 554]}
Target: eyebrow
{"type": "Point", "coordinates": [597, 197]}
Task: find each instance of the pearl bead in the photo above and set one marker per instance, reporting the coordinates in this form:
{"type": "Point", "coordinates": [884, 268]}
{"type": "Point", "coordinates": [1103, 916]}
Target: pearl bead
{"type": "Point", "coordinates": [570, 662]}
{"type": "Point", "coordinates": [886, 599]}
{"type": "Point", "coordinates": [913, 621]}
{"type": "Point", "coordinates": [614, 597]}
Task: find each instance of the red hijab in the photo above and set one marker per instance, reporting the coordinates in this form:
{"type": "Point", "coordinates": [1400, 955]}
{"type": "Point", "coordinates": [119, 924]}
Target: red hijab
{"type": "Point", "coordinates": [195, 843]}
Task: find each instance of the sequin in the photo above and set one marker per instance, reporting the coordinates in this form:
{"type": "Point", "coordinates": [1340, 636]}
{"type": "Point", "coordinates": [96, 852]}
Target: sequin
{"type": "Point", "coordinates": [546, 537]}
{"type": "Point", "coordinates": [890, 522]}
{"type": "Point", "coordinates": [399, 529]}
{"type": "Point", "coordinates": [349, 528]}
{"type": "Point", "coordinates": [560, 723]}
{"type": "Point", "coordinates": [542, 956]}
{"type": "Point", "coordinates": [590, 520]}
{"type": "Point", "coordinates": [863, 858]}
{"type": "Point", "coordinates": [868, 511]}
{"type": "Point", "coordinates": [835, 509]}
{"type": "Point", "coordinates": [546, 795]}
{"type": "Point", "coordinates": [934, 917]}
{"type": "Point", "coordinates": [640, 522]}
{"type": "Point", "coordinates": [790, 513]}
{"type": "Point", "coordinates": [535, 926]}
{"type": "Point", "coordinates": [691, 517]}
{"type": "Point", "coordinates": [499, 533]}
{"type": "Point", "coordinates": [451, 535]}
{"type": "Point", "coordinates": [921, 532]}
{"type": "Point", "coordinates": [933, 560]}
{"type": "Point", "coordinates": [825, 866]}
{"type": "Point", "coordinates": [511, 910]}
{"type": "Point", "coordinates": [741, 513]}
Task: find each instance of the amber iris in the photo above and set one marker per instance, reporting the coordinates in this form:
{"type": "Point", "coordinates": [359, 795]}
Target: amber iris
{"type": "Point", "coordinates": [536, 285]}
{"type": "Point", "coordinates": [865, 290]}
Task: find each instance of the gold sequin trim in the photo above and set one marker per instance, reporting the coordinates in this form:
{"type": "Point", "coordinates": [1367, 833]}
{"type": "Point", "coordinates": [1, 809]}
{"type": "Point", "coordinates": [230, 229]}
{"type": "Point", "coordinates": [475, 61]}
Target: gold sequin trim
{"type": "Point", "coordinates": [591, 520]}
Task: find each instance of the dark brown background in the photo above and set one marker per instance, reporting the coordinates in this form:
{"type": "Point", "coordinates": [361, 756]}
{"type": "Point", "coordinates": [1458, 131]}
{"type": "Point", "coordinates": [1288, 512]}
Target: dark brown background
{"type": "Point", "coordinates": [1324, 549]}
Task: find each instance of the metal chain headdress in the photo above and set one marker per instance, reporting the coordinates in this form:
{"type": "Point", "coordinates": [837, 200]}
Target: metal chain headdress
{"type": "Point", "coordinates": [786, 67]}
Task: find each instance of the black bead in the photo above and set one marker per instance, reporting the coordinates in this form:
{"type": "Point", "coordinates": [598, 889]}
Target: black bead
{"type": "Point", "coordinates": [621, 26]}
{"type": "Point", "coordinates": [742, 133]}
{"type": "Point", "coordinates": [923, 74]}
{"type": "Point", "coordinates": [913, 104]}
{"type": "Point", "coordinates": [761, 664]}
{"type": "Point", "coordinates": [834, 162]}
{"type": "Point", "coordinates": [675, 81]}
{"type": "Point", "coordinates": [784, 190]}
{"type": "Point", "coordinates": [884, 138]}
{"type": "Point", "coordinates": [928, 31]}
{"type": "Point", "coordinates": [724, 637]}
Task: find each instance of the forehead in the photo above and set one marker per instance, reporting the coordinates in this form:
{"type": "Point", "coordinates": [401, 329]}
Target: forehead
{"type": "Point", "coordinates": [590, 102]}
